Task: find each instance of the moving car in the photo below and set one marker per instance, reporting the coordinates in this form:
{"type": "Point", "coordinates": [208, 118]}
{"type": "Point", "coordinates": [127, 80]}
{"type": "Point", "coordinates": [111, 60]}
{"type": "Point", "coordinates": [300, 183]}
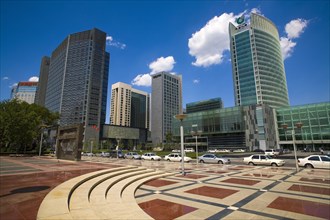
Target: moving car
{"type": "Point", "coordinates": [177, 157]}
{"type": "Point", "coordinates": [259, 159]}
{"type": "Point", "coordinates": [132, 155]}
{"type": "Point", "coordinates": [213, 158]}
{"type": "Point", "coordinates": [150, 156]}
{"type": "Point", "coordinates": [315, 161]}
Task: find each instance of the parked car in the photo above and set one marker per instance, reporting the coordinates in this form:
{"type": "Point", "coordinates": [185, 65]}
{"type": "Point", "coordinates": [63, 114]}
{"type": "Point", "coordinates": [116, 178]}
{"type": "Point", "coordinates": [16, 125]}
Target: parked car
{"type": "Point", "coordinates": [115, 154]}
{"type": "Point", "coordinates": [315, 161]}
{"type": "Point", "coordinates": [105, 154]}
{"type": "Point", "coordinates": [239, 150]}
{"type": "Point", "coordinates": [132, 155]}
{"type": "Point", "coordinates": [213, 158]}
{"type": "Point", "coordinates": [189, 150]}
{"type": "Point", "coordinates": [259, 159]}
{"type": "Point", "coordinates": [89, 154]}
{"type": "Point", "coordinates": [272, 152]}
{"type": "Point", "coordinates": [177, 157]}
{"type": "Point", "coordinates": [176, 151]}
{"type": "Point", "coordinates": [150, 156]}
{"type": "Point", "coordinates": [286, 151]}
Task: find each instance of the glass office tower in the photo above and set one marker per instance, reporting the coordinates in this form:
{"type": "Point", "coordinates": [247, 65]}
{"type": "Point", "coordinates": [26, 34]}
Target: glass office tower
{"type": "Point", "coordinates": [257, 63]}
{"type": "Point", "coordinates": [43, 79]}
{"type": "Point", "coordinates": [78, 81]}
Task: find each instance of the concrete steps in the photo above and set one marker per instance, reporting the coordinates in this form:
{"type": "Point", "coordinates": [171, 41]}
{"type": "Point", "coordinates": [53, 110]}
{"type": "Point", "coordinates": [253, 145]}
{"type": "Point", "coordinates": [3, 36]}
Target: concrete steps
{"type": "Point", "coordinates": [105, 194]}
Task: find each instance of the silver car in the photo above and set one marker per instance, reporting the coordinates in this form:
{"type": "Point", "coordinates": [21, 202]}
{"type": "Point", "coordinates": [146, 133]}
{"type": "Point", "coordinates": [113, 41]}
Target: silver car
{"type": "Point", "coordinates": [213, 158]}
{"type": "Point", "coordinates": [132, 155]}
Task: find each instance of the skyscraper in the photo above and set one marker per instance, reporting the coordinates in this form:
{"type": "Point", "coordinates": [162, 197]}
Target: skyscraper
{"type": "Point", "coordinates": [129, 106]}
{"type": "Point", "coordinates": [43, 79]}
{"type": "Point", "coordinates": [78, 81]}
{"type": "Point", "coordinates": [166, 102]}
{"type": "Point", "coordinates": [257, 63]}
{"type": "Point", "coordinates": [25, 91]}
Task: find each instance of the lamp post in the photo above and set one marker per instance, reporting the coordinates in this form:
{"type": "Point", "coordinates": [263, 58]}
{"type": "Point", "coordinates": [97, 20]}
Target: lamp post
{"type": "Point", "coordinates": [181, 117]}
{"type": "Point", "coordinates": [42, 126]}
{"type": "Point", "coordinates": [196, 134]}
{"type": "Point", "coordinates": [298, 125]}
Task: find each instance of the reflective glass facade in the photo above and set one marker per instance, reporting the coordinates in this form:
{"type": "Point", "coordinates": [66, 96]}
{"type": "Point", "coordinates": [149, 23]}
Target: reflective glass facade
{"type": "Point", "coordinates": [257, 64]}
{"type": "Point", "coordinates": [78, 80]}
{"type": "Point", "coordinates": [315, 130]}
{"type": "Point", "coordinates": [222, 127]}
{"type": "Point", "coordinates": [209, 104]}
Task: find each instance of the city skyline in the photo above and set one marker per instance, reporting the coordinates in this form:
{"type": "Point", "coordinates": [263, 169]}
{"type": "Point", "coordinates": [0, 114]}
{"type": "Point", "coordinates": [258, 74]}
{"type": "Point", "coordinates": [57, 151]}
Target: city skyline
{"type": "Point", "coordinates": [143, 38]}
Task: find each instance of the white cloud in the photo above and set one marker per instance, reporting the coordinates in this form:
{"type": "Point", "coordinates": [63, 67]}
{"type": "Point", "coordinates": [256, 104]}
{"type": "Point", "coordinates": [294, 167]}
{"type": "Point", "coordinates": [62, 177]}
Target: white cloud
{"type": "Point", "coordinates": [295, 28]}
{"type": "Point", "coordinates": [111, 42]}
{"type": "Point", "coordinates": [209, 43]}
{"type": "Point", "coordinates": [14, 85]}
{"type": "Point", "coordinates": [195, 81]}
{"type": "Point", "coordinates": [159, 65]}
{"type": "Point", "coordinates": [287, 47]}
{"type": "Point", "coordinates": [5, 78]}
{"type": "Point", "coordinates": [34, 79]}
{"type": "Point", "coordinates": [142, 80]}
{"type": "Point", "coordinates": [256, 11]}
{"type": "Point", "coordinates": [162, 64]}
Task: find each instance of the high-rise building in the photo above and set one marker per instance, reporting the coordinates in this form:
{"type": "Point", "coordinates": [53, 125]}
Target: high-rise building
{"type": "Point", "coordinates": [25, 91]}
{"type": "Point", "coordinates": [257, 63]}
{"type": "Point", "coordinates": [166, 102]}
{"type": "Point", "coordinates": [129, 106]}
{"type": "Point", "coordinates": [78, 81]}
{"type": "Point", "coordinates": [43, 79]}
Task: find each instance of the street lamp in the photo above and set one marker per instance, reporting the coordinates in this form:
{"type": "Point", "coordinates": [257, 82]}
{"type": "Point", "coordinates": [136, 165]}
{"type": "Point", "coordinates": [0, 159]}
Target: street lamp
{"type": "Point", "coordinates": [181, 117]}
{"type": "Point", "coordinates": [196, 134]}
{"type": "Point", "coordinates": [42, 126]}
{"type": "Point", "coordinates": [298, 125]}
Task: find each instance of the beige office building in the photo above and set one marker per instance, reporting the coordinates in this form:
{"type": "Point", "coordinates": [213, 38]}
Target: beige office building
{"type": "Point", "coordinates": [129, 106]}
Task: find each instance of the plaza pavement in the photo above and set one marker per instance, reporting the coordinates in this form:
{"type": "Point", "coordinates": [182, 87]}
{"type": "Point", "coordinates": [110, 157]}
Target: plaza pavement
{"type": "Point", "coordinates": [103, 188]}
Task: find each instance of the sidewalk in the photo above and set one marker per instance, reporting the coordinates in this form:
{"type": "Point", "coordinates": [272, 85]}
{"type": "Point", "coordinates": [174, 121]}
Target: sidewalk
{"type": "Point", "coordinates": [205, 192]}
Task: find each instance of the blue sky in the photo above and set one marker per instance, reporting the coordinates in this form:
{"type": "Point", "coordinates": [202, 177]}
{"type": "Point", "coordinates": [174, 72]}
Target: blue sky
{"type": "Point", "coordinates": [184, 37]}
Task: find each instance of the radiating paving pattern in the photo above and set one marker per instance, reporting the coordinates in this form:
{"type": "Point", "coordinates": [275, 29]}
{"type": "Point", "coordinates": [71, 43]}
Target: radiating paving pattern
{"type": "Point", "coordinates": [105, 188]}
{"type": "Point", "coordinates": [241, 192]}
{"type": "Point", "coordinates": [99, 195]}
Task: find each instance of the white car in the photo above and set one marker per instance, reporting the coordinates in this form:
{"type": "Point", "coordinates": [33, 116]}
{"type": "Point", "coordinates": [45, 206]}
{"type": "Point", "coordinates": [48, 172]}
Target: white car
{"type": "Point", "coordinates": [177, 157]}
{"type": "Point", "coordinates": [259, 159]}
{"type": "Point", "coordinates": [189, 150]}
{"type": "Point", "coordinates": [315, 161]}
{"type": "Point", "coordinates": [150, 156]}
{"type": "Point", "coordinates": [272, 152]}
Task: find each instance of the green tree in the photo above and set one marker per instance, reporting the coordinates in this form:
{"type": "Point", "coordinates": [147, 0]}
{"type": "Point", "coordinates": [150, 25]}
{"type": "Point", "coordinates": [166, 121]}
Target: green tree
{"type": "Point", "coordinates": [21, 124]}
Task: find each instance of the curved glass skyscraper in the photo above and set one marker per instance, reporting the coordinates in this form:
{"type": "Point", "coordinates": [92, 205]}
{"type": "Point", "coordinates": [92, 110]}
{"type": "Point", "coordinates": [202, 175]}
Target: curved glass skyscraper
{"type": "Point", "coordinates": [257, 63]}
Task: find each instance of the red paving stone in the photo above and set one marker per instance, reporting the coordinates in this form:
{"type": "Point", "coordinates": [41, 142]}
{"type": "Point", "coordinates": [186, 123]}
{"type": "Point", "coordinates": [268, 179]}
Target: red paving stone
{"type": "Point", "coordinates": [159, 183]}
{"type": "Point", "coordinates": [214, 192]}
{"type": "Point", "coordinates": [241, 181]}
{"type": "Point", "coordinates": [220, 172]}
{"type": "Point", "coordinates": [191, 176]}
{"type": "Point", "coordinates": [161, 209]}
{"type": "Point", "coordinates": [310, 189]}
{"type": "Point", "coordinates": [315, 180]}
{"type": "Point", "coordinates": [316, 209]}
